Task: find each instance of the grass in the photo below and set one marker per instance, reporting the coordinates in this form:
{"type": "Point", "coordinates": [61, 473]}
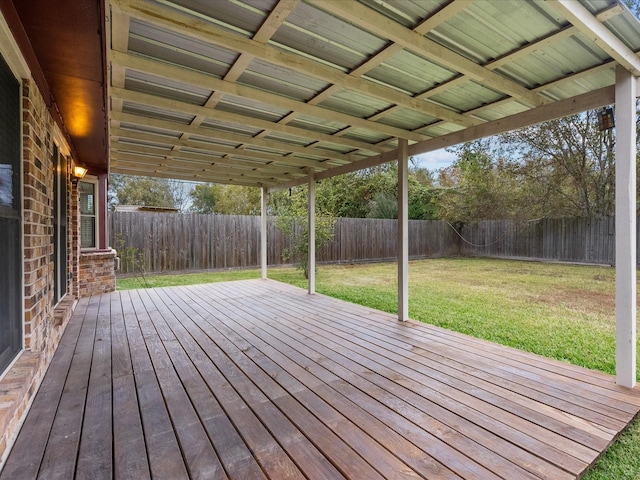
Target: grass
{"type": "Point", "coordinates": [154, 281]}
{"type": "Point", "coordinates": [559, 311]}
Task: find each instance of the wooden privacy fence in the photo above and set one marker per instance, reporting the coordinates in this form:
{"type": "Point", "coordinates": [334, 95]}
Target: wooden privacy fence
{"type": "Point", "coordinates": [582, 240]}
{"type": "Point", "coordinates": [179, 242]}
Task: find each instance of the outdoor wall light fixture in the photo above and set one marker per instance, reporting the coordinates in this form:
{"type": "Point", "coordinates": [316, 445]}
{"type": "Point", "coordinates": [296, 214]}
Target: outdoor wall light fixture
{"type": "Point", "coordinates": [78, 172]}
{"type": "Point", "coordinates": [606, 120]}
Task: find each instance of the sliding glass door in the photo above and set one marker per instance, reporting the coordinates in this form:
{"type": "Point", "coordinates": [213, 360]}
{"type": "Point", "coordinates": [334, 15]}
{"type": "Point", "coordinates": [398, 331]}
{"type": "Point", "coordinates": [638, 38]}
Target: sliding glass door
{"type": "Point", "coordinates": [59, 224]}
{"type": "Point", "coordinates": [10, 219]}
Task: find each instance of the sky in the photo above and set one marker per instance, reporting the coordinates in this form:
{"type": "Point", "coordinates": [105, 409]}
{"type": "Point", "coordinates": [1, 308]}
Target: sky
{"type": "Point", "coordinates": [435, 160]}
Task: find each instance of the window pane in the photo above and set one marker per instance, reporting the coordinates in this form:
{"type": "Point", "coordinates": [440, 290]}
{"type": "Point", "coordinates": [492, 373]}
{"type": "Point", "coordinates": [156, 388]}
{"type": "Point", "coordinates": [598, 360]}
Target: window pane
{"type": "Point", "coordinates": [87, 198]}
{"type": "Point", "coordinates": [87, 232]}
{"type": "Point", "coordinates": [6, 185]}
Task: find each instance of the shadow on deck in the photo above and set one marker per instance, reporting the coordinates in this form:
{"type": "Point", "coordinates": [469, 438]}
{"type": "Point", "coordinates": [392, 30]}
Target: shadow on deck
{"type": "Point", "coordinates": [257, 379]}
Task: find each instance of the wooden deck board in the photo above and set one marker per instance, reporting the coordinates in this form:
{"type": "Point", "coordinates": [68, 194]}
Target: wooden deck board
{"type": "Point", "coordinates": [61, 453]}
{"type": "Point", "coordinates": [26, 456]}
{"type": "Point", "coordinates": [129, 451]}
{"type": "Point", "coordinates": [257, 379]}
{"type": "Point", "coordinates": [395, 398]}
{"type": "Point", "coordinates": [357, 371]}
{"type": "Point", "coordinates": [357, 415]}
{"type": "Point", "coordinates": [163, 451]}
{"type": "Point", "coordinates": [445, 381]}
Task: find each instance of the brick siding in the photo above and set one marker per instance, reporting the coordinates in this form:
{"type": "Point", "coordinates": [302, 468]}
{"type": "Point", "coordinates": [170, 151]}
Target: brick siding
{"type": "Point", "coordinates": [97, 272]}
{"type": "Point", "coordinates": [44, 322]}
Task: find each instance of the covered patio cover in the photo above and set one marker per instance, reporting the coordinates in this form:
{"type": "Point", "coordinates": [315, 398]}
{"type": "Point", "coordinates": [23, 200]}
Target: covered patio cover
{"type": "Point", "coordinates": [275, 93]}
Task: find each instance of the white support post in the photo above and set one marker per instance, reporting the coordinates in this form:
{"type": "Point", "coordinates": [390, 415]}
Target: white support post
{"type": "Point", "coordinates": [311, 262]}
{"type": "Point", "coordinates": [625, 228]}
{"type": "Point", "coordinates": [263, 231]}
{"type": "Point", "coordinates": [403, 230]}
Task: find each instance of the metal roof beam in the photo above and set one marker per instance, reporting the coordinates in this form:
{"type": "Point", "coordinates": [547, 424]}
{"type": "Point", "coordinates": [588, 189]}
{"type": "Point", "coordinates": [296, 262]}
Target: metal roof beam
{"type": "Point", "coordinates": [203, 80]}
{"type": "Point", "coordinates": [210, 158]}
{"type": "Point", "coordinates": [185, 163]}
{"type": "Point", "coordinates": [329, 157]}
{"type": "Point", "coordinates": [178, 22]}
{"type": "Point", "coordinates": [234, 118]}
{"type": "Point", "coordinates": [595, 30]}
{"type": "Point", "coordinates": [562, 108]}
{"type": "Point", "coordinates": [229, 153]}
{"type": "Point", "coordinates": [164, 172]}
{"type": "Point", "coordinates": [380, 25]}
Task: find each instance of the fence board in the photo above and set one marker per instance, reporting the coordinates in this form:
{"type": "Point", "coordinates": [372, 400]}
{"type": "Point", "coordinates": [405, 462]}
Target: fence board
{"type": "Point", "coordinates": [581, 240]}
{"type": "Point", "coordinates": [179, 242]}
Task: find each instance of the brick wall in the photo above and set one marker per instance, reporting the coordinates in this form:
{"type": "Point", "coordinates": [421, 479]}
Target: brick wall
{"type": "Point", "coordinates": [97, 272]}
{"type": "Point", "coordinates": [38, 219]}
{"type": "Point", "coordinates": [44, 322]}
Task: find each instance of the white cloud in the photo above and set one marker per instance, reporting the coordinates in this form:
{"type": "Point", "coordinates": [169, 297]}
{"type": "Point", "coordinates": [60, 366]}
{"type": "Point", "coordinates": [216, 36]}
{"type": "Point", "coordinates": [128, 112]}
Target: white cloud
{"type": "Point", "coordinates": [435, 160]}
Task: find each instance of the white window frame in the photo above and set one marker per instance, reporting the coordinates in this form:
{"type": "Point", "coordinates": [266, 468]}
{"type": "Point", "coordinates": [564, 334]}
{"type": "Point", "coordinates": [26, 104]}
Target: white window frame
{"type": "Point", "coordinates": [96, 207]}
{"type": "Point", "coordinates": [13, 56]}
{"type": "Point", "coordinates": [59, 239]}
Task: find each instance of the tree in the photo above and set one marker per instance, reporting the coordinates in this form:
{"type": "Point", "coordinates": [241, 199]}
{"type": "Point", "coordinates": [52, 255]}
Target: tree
{"type": "Point", "coordinates": [146, 191]}
{"type": "Point", "coordinates": [225, 199]}
{"type": "Point", "coordinates": [351, 195]}
{"type": "Point", "coordinates": [571, 161]}
{"type": "Point", "coordinates": [373, 193]}
{"type": "Point", "coordinates": [180, 193]}
{"type": "Point", "coordinates": [292, 220]}
{"type": "Point", "coordinates": [479, 186]}
{"type": "Point", "coordinates": [422, 195]}
{"type": "Point", "coordinates": [204, 197]}
{"type": "Point", "coordinates": [383, 205]}
{"type": "Point", "coordinates": [238, 200]}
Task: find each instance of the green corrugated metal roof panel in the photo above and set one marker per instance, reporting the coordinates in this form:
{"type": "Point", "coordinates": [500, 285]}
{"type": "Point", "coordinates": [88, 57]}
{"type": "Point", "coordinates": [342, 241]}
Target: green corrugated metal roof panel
{"type": "Point", "coordinates": [134, 127]}
{"type": "Point", "coordinates": [244, 17]}
{"type": "Point", "coordinates": [501, 110]}
{"type": "Point", "coordinates": [215, 124]}
{"type": "Point", "coordinates": [292, 139]}
{"type": "Point", "coordinates": [214, 141]}
{"type": "Point", "coordinates": [407, 119]}
{"type": "Point", "coordinates": [410, 73]}
{"type": "Point", "coordinates": [533, 46]}
{"type": "Point", "coordinates": [407, 12]}
{"type": "Point", "coordinates": [281, 80]}
{"type": "Point", "coordinates": [489, 30]}
{"type": "Point", "coordinates": [172, 47]}
{"type": "Point", "coordinates": [354, 103]}
{"type": "Point", "coordinates": [467, 96]}
{"type": "Point", "coordinates": [319, 34]}
{"type": "Point", "coordinates": [166, 88]}
{"type": "Point", "coordinates": [315, 124]}
{"type": "Point", "coordinates": [250, 108]}
{"type": "Point", "coordinates": [158, 113]}
{"type": "Point", "coordinates": [363, 135]}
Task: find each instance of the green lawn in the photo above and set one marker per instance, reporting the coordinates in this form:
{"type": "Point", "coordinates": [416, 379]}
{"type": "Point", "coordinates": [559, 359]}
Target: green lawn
{"type": "Point", "coordinates": [559, 311]}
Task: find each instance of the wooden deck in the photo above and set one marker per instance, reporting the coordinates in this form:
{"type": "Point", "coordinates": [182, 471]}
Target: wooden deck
{"type": "Point", "coordinates": [256, 379]}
